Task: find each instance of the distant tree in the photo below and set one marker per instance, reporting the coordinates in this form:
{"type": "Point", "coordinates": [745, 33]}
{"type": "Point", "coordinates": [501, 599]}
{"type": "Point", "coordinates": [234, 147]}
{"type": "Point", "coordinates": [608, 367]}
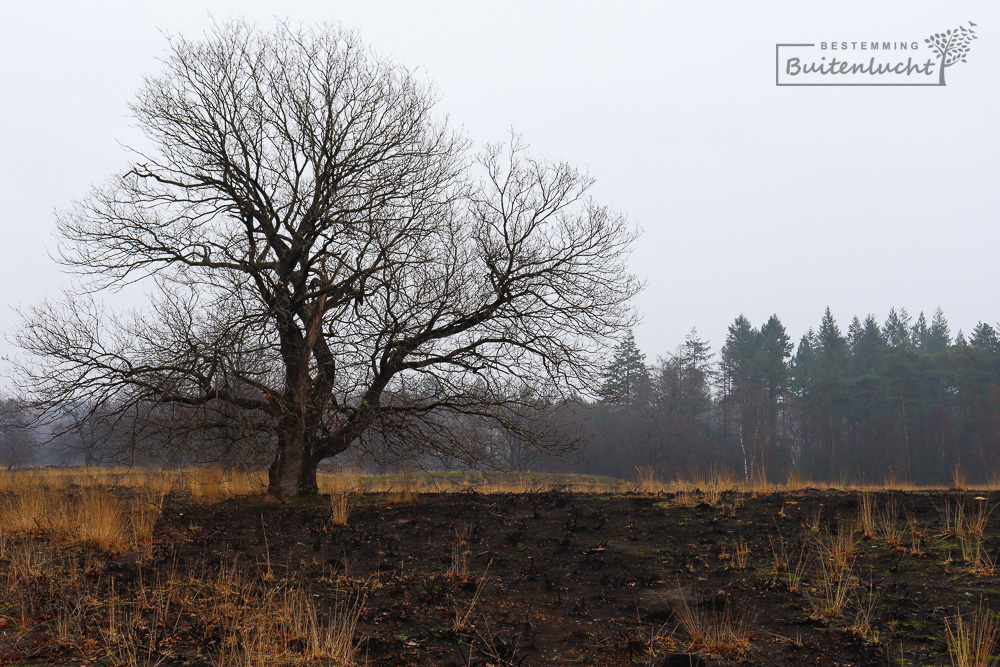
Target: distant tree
{"type": "Point", "coordinates": [626, 377]}
{"type": "Point", "coordinates": [939, 336]}
{"type": "Point", "coordinates": [985, 339]}
{"type": "Point", "coordinates": [830, 384]}
{"type": "Point", "coordinates": [694, 361]}
{"type": "Point", "coordinates": [683, 408]}
{"type": "Point", "coordinates": [920, 333]}
{"type": "Point", "coordinates": [776, 348]}
{"type": "Point", "coordinates": [17, 441]}
{"type": "Point", "coordinates": [803, 369]}
{"type": "Point", "coordinates": [897, 328]}
{"type": "Point", "coordinates": [867, 411]}
{"type": "Point", "coordinates": [745, 394]}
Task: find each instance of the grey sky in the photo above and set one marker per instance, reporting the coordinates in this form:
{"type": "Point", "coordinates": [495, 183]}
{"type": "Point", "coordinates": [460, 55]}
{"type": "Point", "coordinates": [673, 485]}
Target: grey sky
{"type": "Point", "coordinates": [754, 199]}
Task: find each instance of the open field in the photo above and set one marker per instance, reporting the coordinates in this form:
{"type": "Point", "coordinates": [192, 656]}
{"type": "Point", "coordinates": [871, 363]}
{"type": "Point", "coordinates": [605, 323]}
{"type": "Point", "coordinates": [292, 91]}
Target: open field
{"type": "Point", "coordinates": [145, 568]}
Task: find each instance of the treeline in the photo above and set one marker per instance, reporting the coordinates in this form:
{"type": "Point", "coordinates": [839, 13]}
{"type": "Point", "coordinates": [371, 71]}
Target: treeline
{"type": "Point", "coordinates": [900, 398]}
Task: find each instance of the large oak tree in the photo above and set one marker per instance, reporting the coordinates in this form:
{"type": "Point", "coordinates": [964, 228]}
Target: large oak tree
{"type": "Point", "coordinates": [327, 263]}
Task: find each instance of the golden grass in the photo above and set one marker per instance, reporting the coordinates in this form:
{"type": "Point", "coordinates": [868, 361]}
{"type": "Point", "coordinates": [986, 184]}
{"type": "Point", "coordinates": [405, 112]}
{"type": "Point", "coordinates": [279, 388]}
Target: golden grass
{"type": "Point", "coordinates": [113, 510]}
{"type": "Point", "coordinates": [963, 517]}
{"type": "Point", "coordinates": [340, 508]}
{"type": "Point", "coordinates": [888, 527]}
{"type": "Point", "coordinates": [100, 520]}
{"type": "Point", "coordinates": [865, 605]}
{"type": "Point", "coordinates": [213, 483]}
{"type": "Point", "coordinates": [779, 553]}
{"type": "Point", "coordinates": [842, 546]}
{"type": "Point", "coordinates": [796, 481]}
{"type": "Point", "coordinates": [830, 596]}
{"type": "Point", "coordinates": [972, 639]}
{"type": "Point", "coordinates": [866, 514]}
{"type": "Point", "coordinates": [724, 633]}
{"type": "Point", "coordinates": [254, 622]}
{"type": "Point", "coordinates": [975, 556]}
{"type": "Point", "coordinates": [92, 516]}
{"type": "Point", "coordinates": [741, 554]}
{"type": "Point", "coordinates": [958, 479]}
{"type": "Point", "coordinates": [794, 578]}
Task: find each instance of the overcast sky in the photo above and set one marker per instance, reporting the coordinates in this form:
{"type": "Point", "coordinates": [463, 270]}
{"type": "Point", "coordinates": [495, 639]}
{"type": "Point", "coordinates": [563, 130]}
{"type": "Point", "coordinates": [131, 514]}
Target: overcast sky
{"type": "Point", "coordinates": [754, 199]}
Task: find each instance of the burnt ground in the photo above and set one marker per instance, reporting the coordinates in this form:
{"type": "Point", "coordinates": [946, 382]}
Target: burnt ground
{"type": "Point", "coordinates": [558, 578]}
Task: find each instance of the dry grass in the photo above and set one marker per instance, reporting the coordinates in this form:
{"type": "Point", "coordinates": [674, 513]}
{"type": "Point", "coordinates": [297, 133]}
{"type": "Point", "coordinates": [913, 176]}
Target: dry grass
{"type": "Point", "coordinates": [972, 639]}
{"type": "Point", "coordinates": [341, 489]}
{"type": "Point", "coordinates": [831, 594]}
{"type": "Point", "coordinates": [463, 619]}
{"type": "Point", "coordinates": [814, 521]}
{"type": "Point", "coordinates": [340, 508]}
{"type": "Point", "coordinates": [962, 517]}
{"type": "Point", "coordinates": [866, 514]}
{"type": "Point", "coordinates": [242, 617]}
{"type": "Point", "coordinates": [647, 482]}
{"type": "Point", "coordinates": [866, 605]}
{"type": "Point", "coordinates": [726, 634]}
{"type": "Point", "coordinates": [888, 527]}
{"type": "Point", "coordinates": [779, 553]}
{"type": "Point", "coordinates": [796, 481]}
{"type": "Point", "coordinates": [100, 520]}
{"type": "Point", "coordinates": [262, 620]}
{"type": "Point", "coordinates": [794, 577]}
{"type": "Point", "coordinates": [918, 535]}
{"type": "Point", "coordinates": [93, 516]}
{"type": "Point", "coordinates": [211, 483]}
{"type": "Point", "coordinates": [460, 553]}
{"type": "Point", "coordinates": [838, 550]}
{"type": "Point", "coordinates": [975, 557]}
{"type": "Point", "coordinates": [958, 479]}
{"type": "Point", "coordinates": [741, 554]}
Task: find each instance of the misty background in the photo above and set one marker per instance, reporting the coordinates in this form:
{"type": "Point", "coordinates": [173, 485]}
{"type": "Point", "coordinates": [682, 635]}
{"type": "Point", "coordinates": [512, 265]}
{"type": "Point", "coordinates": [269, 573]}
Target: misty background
{"type": "Point", "coordinates": [754, 199]}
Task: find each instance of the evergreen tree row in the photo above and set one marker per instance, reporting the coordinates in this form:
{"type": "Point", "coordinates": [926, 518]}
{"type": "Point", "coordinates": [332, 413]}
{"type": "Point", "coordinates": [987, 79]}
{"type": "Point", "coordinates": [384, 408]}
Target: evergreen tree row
{"type": "Point", "coordinates": [900, 398]}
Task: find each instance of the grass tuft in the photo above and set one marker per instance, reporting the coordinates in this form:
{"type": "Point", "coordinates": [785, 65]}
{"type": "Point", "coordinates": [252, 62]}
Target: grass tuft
{"type": "Point", "coordinates": [972, 639]}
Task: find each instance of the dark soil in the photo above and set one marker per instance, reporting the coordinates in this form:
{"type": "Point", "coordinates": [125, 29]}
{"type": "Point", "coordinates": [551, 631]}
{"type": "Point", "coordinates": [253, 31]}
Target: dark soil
{"type": "Point", "coordinates": [595, 579]}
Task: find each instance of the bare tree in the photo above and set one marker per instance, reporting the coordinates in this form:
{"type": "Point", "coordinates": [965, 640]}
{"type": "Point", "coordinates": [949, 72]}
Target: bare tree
{"type": "Point", "coordinates": [16, 438]}
{"type": "Point", "coordinates": [323, 250]}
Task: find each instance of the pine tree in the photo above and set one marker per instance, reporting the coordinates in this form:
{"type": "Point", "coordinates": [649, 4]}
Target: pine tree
{"type": "Point", "coordinates": [939, 337]}
{"type": "Point", "coordinates": [897, 328]}
{"type": "Point", "coordinates": [866, 407]}
{"type": "Point", "coordinates": [743, 391]}
{"type": "Point", "coordinates": [626, 378]}
{"type": "Point", "coordinates": [696, 372]}
{"type": "Point", "coordinates": [920, 333]}
{"type": "Point", "coordinates": [831, 384]}
{"type": "Point", "coordinates": [984, 338]}
{"type": "Point", "coordinates": [802, 380]}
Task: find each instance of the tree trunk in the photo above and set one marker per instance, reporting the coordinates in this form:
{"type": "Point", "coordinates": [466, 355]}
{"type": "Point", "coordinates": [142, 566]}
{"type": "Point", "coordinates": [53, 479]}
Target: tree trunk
{"type": "Point", "coordinates": [293, 472]}
{"type": "Point", "coordinates": [833, 443]}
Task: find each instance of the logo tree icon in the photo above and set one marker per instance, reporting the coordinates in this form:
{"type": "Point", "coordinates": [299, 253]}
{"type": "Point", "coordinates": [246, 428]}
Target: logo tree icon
{"type": "Point", "coordinates": [951, 47]}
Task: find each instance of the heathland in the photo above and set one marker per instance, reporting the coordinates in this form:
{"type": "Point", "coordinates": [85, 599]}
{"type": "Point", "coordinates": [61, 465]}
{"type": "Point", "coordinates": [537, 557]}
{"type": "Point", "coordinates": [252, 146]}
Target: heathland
{"type": "Point", "coordinates": [200, 567]}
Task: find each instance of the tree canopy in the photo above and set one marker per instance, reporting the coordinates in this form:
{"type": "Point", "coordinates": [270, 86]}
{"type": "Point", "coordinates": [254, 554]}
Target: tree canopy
{"type": "Point", "coordinates": [330, 267]}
